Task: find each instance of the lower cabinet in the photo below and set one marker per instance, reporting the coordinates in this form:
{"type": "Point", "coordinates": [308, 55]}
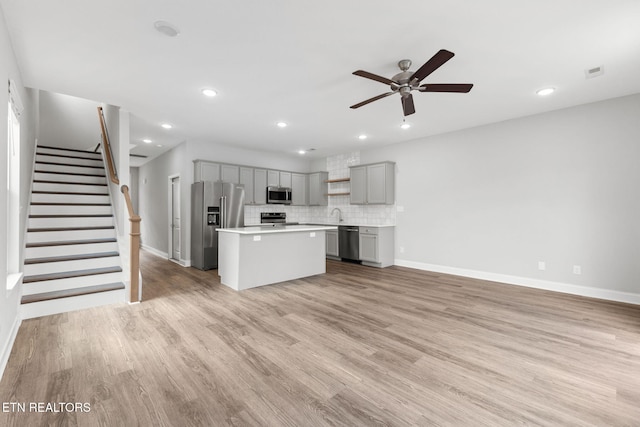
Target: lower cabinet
{"type": "Point", "coordinates": [332, 243]}
{"type": "Point", "coordinates": [377, 246]}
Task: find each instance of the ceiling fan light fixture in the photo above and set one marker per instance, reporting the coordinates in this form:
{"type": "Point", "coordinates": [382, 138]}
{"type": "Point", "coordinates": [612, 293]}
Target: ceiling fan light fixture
{"type": "Point", "coordinates": [545, 91]}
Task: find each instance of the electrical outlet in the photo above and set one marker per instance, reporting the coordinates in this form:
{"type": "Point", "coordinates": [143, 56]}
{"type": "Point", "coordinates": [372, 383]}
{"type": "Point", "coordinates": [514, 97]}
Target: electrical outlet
{"type": "Point", "coordinates": [401, 249]}
{"type": "Point", "coordinates": [542, 265]}
{"type": "Point", "coordinates": [577, 269]}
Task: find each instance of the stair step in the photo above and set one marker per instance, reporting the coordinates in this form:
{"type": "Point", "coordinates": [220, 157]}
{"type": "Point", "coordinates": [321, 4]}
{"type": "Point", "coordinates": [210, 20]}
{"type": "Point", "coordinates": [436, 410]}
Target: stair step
{"type": "Point", "coordinates": [70, 173]}
{"type": "Point", "coordinates": [60, 234]}
{"type": "Point", "coordinates": [68, 204]}
{"type": "Point", "coordinates": [73, 150]}
{"type": "Point", "coordinates": [49, 181]}
{"type": "Point", "coordinates": [45, 229]}
{"type": "Point", "coordinates": [47, 296]}
{"type": "Point", "coordinates": [69, 216]}
{"type": "Point", "coordinates": [76, 249]}
{"type": "Point", "coordinates": [69, 164]}
{"type": "Point", "coordinates": [69, 242]}
{"type": "Point", "coordinates": [69, 178]}
{"type": "Point", "coordinates": [71, 274]}
{"type": "Point", "coordinates": [70, 156]}
{"type": "Point", "coordinates": [43, 269]}
{"type": "Point", "coordinates": [70, 257]}
{"type": "Point", "coordinates": [65, 305]}
{"type": "Point", "coordinates": [73, 160]}
{"type": "Point", "coordinates": [71, 193]}
{"type": "Point", "coordinates": [70, 222]}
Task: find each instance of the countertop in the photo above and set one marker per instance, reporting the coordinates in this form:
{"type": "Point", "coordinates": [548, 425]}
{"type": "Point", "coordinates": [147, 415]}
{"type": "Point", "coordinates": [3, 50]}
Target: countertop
{"type": "Point", "coordinates": [265, 229]}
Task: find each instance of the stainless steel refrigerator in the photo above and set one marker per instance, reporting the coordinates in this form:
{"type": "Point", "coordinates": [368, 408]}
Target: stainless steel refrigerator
{"type": "Point", "coordinates": [213, 205]}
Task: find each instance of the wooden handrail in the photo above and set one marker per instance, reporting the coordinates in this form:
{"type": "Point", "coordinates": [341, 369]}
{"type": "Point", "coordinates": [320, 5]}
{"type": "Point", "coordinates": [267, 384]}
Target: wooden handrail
{"type": "Point", "coordinates": [134, 294]}
{"type": "Point", "coordinates": [113, 174]}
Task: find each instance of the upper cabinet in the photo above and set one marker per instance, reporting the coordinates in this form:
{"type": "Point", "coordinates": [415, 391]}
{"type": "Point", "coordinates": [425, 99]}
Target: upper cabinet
{"type": "Point", "coordinates": [318, 189]}
{"type": "Point", "coordinates": [230, 173]}
{"type": "Point", "coordinates": [373, 184]}
{"type": "Point", "coordinates": [298, 189]}
{"type": "Point", "coordinates": [246, 179]}
{"type": "Point", "coordinates": [273, 178]}
{"type": "Point", "coordinates": [205, 171]}
{"type": "Point", "coordinates": [260, 186]}
{"type": "Point", "coordinates": [285, 179]}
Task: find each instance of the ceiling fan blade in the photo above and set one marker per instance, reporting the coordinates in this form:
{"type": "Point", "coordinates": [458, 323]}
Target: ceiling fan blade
{"type": "Point", "coordinates": [431, 65]}
{"type": "Point", "coordinates": [445, 87]}
{"type": "Point", "coordinates": [368, 75]}
{"type": "Point", "coordinates": [407, 105]}
{"type": "Point", "coordinates": [375, 98]}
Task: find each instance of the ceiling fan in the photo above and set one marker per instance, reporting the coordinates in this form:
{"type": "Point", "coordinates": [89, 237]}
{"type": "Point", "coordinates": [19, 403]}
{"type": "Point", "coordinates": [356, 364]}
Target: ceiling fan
{"type": "Point", "coordinates": [407, 81]}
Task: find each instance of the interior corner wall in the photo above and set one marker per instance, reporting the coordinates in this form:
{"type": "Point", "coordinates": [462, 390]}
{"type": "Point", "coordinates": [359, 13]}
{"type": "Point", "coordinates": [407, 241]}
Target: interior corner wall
{"type": "Point", "coordinates": [559, 187]}
{"type": "Point", "coordinates": [68, 122]}
{"type": "Point", "coordinates": [153, 199]}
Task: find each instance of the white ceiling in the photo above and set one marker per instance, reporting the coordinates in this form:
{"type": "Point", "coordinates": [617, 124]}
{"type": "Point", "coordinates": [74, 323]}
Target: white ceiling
{"type": "Point", "coordinates": [292, 60]}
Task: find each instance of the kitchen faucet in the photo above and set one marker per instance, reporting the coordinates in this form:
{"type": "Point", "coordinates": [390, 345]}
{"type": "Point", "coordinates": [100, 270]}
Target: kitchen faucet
{"type": "Point", "coordinates": [339, 213]}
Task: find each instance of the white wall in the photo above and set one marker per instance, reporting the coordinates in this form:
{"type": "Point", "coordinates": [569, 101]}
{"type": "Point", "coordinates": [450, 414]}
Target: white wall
{"type": "Point", "coordinates": [10, 300]}
{"type": "Point", "coordinates": [67, 121]}
{"type": "Point", "coordinates": [559, 187]}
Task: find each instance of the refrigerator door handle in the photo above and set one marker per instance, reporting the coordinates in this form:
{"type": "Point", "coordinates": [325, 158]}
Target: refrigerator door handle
{"type": "Point", "coordinates": [223, 212]}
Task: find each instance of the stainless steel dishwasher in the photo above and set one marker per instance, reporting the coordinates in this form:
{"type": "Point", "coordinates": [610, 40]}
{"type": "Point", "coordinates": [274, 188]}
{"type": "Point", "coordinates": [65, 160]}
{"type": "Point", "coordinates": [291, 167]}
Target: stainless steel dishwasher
{"type": "Point", "coordinates": [349, 242]}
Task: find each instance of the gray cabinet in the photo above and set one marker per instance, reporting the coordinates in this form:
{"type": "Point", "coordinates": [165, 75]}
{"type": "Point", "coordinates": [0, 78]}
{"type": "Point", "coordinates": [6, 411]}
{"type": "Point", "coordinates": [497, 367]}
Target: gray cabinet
{"type": "Point", "coordinates": [373, 184]}
{"type": "Point", "coordinates": [285, 179]}
{"type": "Point", "coordinates": [332, 243]}
{"type": "Point", "coordinates": [377, 246]}
{"type": "Point", "coordinates": [205, 171]}
{"type": "Point", "coordinates": [246, 179]}
{"type": "Point", "coordinates": [318, 189]}
{"type": "Point", "coordinates": [298, 189]}
{"type": "Point", "coordinates": [260, 186]}
{"type": "Point", "coordinates": [230, 173]}
{"type": "Point", "coordinates": [273, 178]}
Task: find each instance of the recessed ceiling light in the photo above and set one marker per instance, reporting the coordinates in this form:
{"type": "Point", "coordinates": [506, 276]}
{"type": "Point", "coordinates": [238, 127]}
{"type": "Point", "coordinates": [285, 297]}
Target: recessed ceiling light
{"type": "Point", "coordinates": [209, 92]}
{"type": "Point", "coordinates": [546, 91]}
{"type": "Point", "coordinates": [166, 28]}
{"type": "Point", "coordinates": [147, 141]}
{"type": "Point", "coordinates": [166, 126]}
{"type": "Point", "coordinates": [301, 152]}
{"type": "Point", "coordinates": [281, 124]}
{"type": "Point", "coordinates": [362, 137]}
{"type": "Point", "coordinates": [159, 145]}
{"type": "Point", "coordinates": [405, 125]}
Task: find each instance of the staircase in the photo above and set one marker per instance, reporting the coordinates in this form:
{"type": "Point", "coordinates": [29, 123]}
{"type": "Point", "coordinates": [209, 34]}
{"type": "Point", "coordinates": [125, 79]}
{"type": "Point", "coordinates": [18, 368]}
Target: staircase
{"type": "Point", "coordinates": [71, 254]}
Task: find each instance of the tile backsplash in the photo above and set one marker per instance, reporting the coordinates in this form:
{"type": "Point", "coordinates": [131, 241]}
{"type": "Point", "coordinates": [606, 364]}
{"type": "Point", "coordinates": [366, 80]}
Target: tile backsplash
{"type": "Point", "coordinates": [338, 167]}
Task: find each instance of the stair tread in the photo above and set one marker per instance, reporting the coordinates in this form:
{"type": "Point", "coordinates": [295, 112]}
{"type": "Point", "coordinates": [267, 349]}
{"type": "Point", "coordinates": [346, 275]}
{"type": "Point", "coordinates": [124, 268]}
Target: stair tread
{"type": "Point", "coordinates": [73, 193]}
{"type": "Point", "coordinates": [70, 216]}
{"type": "Point", "coordinates": [46, 296]}
{"type": "Point", "coordinates": [47, 181]}
{"type": "Point", "coordinates": [76, 150]}
{"type": "Point", "coordinates": [68, 204]}
{"type": "Point", "coordinates": [70, 173]}
{"type": "Point", "coordinates": [45, 229]}
{"type": "Point", "coordinates": [69, 242]}
{"type": "Point", "coordinates": [70, 257]}
{"type": "Point", "coordinates": [70, 274]}
{"type": "Point", "coordinates": [40, 162]}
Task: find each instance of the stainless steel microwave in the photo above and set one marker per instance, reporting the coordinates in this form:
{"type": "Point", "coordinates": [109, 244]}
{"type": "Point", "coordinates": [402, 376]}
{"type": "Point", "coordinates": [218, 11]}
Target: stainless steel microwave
{"type": "Point", "coordinates": [279, 195]}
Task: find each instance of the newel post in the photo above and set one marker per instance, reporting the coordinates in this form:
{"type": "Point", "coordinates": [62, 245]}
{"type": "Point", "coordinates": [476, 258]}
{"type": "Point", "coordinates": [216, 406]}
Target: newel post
{"type": "Point", "coordinates": [134, 295]}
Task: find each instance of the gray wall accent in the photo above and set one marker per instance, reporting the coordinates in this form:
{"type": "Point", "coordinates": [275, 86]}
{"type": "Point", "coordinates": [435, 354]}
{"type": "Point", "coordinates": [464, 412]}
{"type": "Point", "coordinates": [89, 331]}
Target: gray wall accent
{"type": "Point", "coordinates": [559, 187]}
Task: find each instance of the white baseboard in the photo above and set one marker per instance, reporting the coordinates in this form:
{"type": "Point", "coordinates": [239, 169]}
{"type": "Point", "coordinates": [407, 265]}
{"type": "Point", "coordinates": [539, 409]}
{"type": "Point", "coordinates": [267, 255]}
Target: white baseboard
{"type": "Point", "coordinates": [6, 349]}
{"type": "Point", "coordinates": [585, 291]}
{"type": "Point", "coordinates": [154, 251]}
{"type": "Point", "coordinates": [181, 262]}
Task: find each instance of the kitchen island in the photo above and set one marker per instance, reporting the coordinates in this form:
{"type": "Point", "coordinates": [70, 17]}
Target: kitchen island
{"type": "Point", "coordinates": [256, 256]}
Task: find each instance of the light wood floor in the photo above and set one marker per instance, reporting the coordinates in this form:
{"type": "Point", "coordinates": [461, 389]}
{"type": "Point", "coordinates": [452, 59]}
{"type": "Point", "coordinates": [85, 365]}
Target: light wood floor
{"type": "Point", "coordinates": [358, 346]}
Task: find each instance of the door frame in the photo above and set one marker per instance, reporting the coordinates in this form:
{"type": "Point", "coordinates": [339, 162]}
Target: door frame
{"type": "Point", "coordinates": [170, 179]}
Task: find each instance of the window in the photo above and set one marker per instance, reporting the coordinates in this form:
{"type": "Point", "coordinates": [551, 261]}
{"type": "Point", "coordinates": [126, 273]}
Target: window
{"type": "Point", "coordinates": [13, 186]}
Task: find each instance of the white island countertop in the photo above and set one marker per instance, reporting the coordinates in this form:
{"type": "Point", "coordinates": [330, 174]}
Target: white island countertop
{"type": "Point", "coordinates": [267, 229]}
